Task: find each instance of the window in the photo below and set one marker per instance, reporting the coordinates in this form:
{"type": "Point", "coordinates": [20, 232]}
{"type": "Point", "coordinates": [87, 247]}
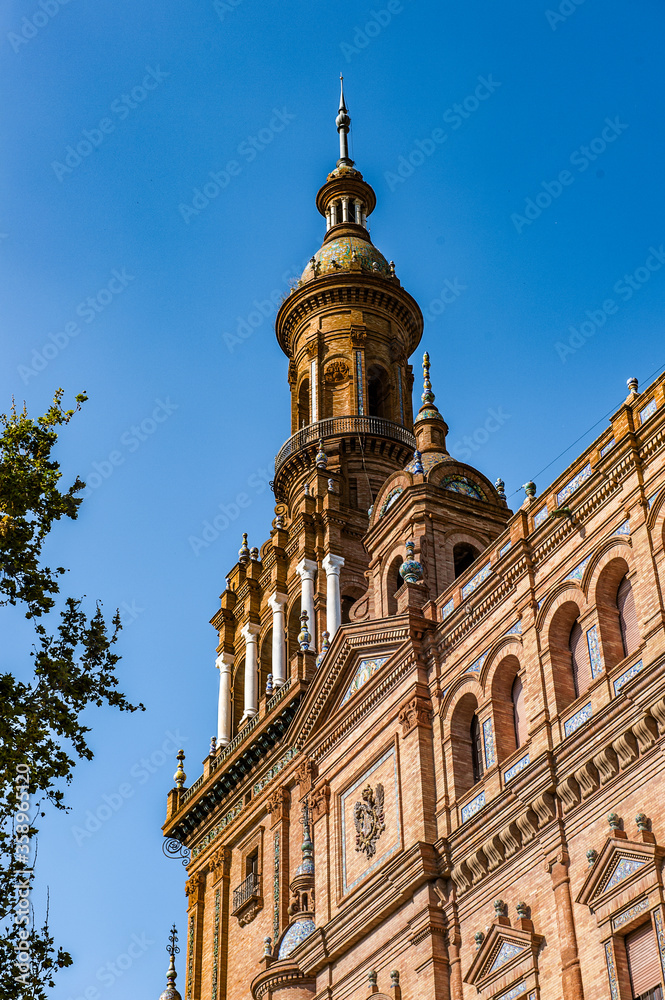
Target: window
{"type": "Point", "coordinates": [394, 581]}
{"type": "Point", "coordinates": [303, 403]}
{"type": "Point", "coordinates": [353, 493]}
{"type": "Point", "coordinates": [476, 749]}
{"type": "Point", "coordinates": [519, 715]}
{"type": "Point", "coordinates": [463, 555]}
{"type": "Point", "coordinates": [580, 659]}
{"type": "Point", "coordinates": [630, 635]}
{"type": "Point", "coordinates": [377, 392]}
{"type": "Point", "coordinates": [252, 863]}
{"type": "Point", "coordinates": [644, 964]}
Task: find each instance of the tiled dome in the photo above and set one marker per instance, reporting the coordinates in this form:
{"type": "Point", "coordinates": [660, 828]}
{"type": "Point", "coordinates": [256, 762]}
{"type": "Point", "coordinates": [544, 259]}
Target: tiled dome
{"type": "Point", "coordinates": [346, 251]}
{"type": "Point", "coordinates": [296, 933]}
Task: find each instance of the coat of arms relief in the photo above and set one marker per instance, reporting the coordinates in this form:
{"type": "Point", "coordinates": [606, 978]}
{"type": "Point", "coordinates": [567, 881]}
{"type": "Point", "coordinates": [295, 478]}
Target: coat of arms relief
{"type": "Point", "coordinates": [369, 818]}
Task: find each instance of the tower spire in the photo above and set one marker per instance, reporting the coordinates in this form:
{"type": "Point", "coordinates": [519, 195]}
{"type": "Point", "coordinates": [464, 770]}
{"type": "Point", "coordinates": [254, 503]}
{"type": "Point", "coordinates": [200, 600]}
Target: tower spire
{"type": "Point", "coordinates": [343, 122]}
{"type": "Point", "coordinates": [429, 426]}
{"type": "Point", "coordinates": [171, 993]}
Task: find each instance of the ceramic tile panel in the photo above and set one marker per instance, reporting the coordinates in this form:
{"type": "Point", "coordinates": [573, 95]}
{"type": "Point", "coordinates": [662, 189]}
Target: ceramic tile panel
{"type": "Point", "coordinates": [593, 645]}
{"type": "Point", "coordinates": [577, 720]}
{"type": "Point", "coordinates": [504, 549]}
{"type": "Point", "coordinates": [488, 741]}
{"type": "Point", "coordinates": [611, 971]}
{"type": "Point", "coordinates": [365, 669]}
{"type": "Point", "coordinates": [626, 676]}
{"type": "Point", "coordinates": [604, 450]}
{"type": "Point", "coordinates": [515, 629]}
{"type": "Point", "coordinates": [626, 867]}
{"type": "Point", "coordinates": [633, 911]}
{"type": "Point", "coordinates": [507, 951]}
{"type": "Point", "coordinates": [573, 485]}
{"type": "Point", "coordinates": [473, 807]}
{"type": "Point", "coordinates": [648, 410]}
{"type": "Point", "coordinates": [516, 991]}
{"type": "Point", "coordinates": [516, 768]}
{"type": "Point", "coordinates": [476, 580]}
{"type": "Point", "coordinates": [448, 608]}
{"type": "Point", "coordinates": [578, 572]}
{"type": "Point", "coordinates": [540, 516]}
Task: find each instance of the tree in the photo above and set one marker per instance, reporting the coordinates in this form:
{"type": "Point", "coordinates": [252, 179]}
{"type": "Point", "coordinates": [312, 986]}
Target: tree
{"type": "Point", "coordinates": [73, 667]}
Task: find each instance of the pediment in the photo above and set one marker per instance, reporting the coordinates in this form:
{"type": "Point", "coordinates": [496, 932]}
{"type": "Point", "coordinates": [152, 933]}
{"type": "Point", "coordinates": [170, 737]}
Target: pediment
{"type": "Point", "coordinates": [505, 949]}
{"type": "Point", "coordinates": [620, 864]}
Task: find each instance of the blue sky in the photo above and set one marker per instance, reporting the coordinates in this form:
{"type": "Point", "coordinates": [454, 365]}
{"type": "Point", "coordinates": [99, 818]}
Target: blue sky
{"type": "Point", "coordinates": [539, 194]}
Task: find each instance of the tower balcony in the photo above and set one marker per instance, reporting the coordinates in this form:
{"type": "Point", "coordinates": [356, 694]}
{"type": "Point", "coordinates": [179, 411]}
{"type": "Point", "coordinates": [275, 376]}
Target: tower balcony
{"type": "Point", "coordinates": [347, 426]}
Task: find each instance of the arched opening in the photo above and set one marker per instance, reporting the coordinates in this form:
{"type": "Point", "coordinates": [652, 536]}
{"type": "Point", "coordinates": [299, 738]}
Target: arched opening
{"type": "Point", "coordinates": [293, 629]}
{"type": "Point", "coordinates": [466, 757]}
{"type": "Point", "coordinates": [579, 655]}
{"type": "Point", "coordinates": [508, 708]}
{"type": "Point", "coordinates": [476, 749]}
{"type": "Point", "coordinates": [377, 392]}
{"type": "Point", "coordinates": [303, 403]}
{"type": "Point", "coordinates": [350, 596]}
{"type": "Point", "coordinates": [238, 695]}
{"type": "Point", "coordinates": [519, 712]}
{"type": "Point", "coordinates": [561, 654]}
{"type": "Point", "coordinates": [393, 583]}
{"type": "Point", "coordinates": [617, 613]}
{"type": "Point", "coordinates": [463, 555]}
{"type": "Point", "coordinates": [265, 663]}
{"type": "Point", "coordinates": [630, 633]}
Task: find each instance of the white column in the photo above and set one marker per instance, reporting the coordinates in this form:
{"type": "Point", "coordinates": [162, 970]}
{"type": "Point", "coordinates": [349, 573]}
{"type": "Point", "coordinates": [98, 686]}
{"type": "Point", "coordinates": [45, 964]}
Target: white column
{"type": "Point", "coordinates": [277, 602]}
{"type": "Point", "coordinates": [332, 565]}
{"type": "Point", "coordinates": [313, 388]}
{"type": "Point", "coordinates": [224, 664]}
{"type": "Point", "coordinates": [250, 634]}
{"type": "Point", "coordinates": [345, 209]}
{"type": "Point", "coordinates": [359, 212]}
{"type": "Point", "coordinates": [306, 570]}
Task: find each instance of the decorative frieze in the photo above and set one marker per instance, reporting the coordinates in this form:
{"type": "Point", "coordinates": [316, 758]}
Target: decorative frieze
{"type": "Point", "coordinates": [476, 580]}
{"type": "Point", "coordinates": [574, 484]}
{"type": "Point", "coordinates": [573, 724]}
{"type": "Point", "coordinates": [473, 807]}
{"type": "Point", "coordinates": [629, 914]}
{"type": "Point", "coordinates": [277, 805]}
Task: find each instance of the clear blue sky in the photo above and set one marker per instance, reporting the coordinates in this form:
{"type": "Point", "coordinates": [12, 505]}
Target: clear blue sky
{"type": "Point", "coordinates": [170, 288]}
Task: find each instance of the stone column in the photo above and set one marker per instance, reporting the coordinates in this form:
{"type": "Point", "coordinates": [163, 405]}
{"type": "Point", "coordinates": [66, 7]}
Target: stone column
{"type": "Point", "coordinates": [345, 209]}
{"type": "Point", "coordinates": [276, 603]}
{"type": "Point", "coordinates": [332, 565]}
{"type": "Point", "coordinates": [250, 634]}
{"type": "Point", "coordinates": [224, 664]}
{"type": "Point", "coordinates": [571, 976]}
{"type": "Point", "coordinates": [306, 569]}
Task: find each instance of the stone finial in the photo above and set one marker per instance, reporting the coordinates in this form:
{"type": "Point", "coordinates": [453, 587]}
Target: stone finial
{"type": "Point", "coordinates": [642, 821]}
{"type": "Point", "coordinates": [372, 977]}
{"type": "Point", "coordinates": [254, 554]}
{"type": "Point", "coordinates": [391, 268]}
{"type": "Point", "coordinates": [418, 463]}
{"type": "Point", "coordinates": [243, 551]}
{"type": "Point", "coordinates": [478, 937]}
{"type": "Point", "coordinates": [213, 746]}
{"type": "Point", "coordinates": [522, 910]}
{"type": "Point", "coordinates": [325, 646]}
{"type": "Point", "coordinates": [394, 978]}
{"type": "Point", "coordinates": [614, 821]}
{"type": "Point", "coordinates": [530, 489]}
{"type": "Point", "coordinates": [304, 638]}
{"type": "Point", "coordinates": [306, 489]}
{"type": "Point", "coordinates": [592, 857]}
{"type": "Point", "coordinates": [632, 384]}
{"type": "Point", "coordinates": [267, 947]}
{"type": "Point", "coordinates": [427, 396]}
{"type": "Point", "coordinates": [269, 685]}
{"type": "Point", "coordinates": [500, 487]}
{"type": "Point", "coordinates": [180, 777]}
{"type": "Point", "coordinates": [411, 571]}
{"type": "Point", "coordinates": [499, 907]}
{"type": "Point", "coordinates": [321, 457]}
{"type": "Point", "coordinates": [331, 486]}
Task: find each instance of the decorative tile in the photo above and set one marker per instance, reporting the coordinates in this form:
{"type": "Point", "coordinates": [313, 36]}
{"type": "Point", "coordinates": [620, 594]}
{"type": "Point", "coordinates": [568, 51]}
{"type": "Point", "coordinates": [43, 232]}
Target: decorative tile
{"type": "Point", "coordinates": [578, 572]}
{"type": "Point", "coordinates": [540, 516]}
{"type": "Point", "coordinates": [387, 847]}
{"type": "Point", "coordinates": [516, 991]}
{"type": "Point", "coordinates": [611, 971]}
{"type": "Point", "coordinates": [476, 666]}
{"type": "Point", "coordinates": [623, 529]}
{"type": "Point", "coordinates": [532, 996]}
{"type": "Point", "coordinates": [507, 951]}
{"type": "Point", "coordinates": [577, 720]}
{"type": "Point", "coordinates": [651, 500]}
{"type": "Point", "coordinates": [593, 645]}
{"type": "Point", "coordinates": [516, 768]}
{"type": "Point", "coordinates": [627, 915]}
{"type": "Point", "coordinates": [504, 549]}
{"type": "Point", "coordinates": [448, 608]}
{"type": "Point", "coordinates": [648, 410]}
{"type": "Point", "coordinates": [344, 254]}
{"type": "Point", "coordinates": [365, 670]}
{"type": "Point", "coordinates": [215, 948]}
{"type": "Point", "coordinates": [626, 676]}
{"type": "Point", "coordinates": [626, 867]}
{"type": "Point", "coordinates": [516, 629]}
{"type": "Point", "coordinates": [573, 485]}
{"type": "Point", "coordinates": [232, 814]}
{"type": "Point", "coordinates": [275, 892]}
{"type": "Point", "coordinates": [295, 935]}
{"type": "Point", "coordinates": [604, 450]}
{"type": "Point", "coordinates": [390, 500]}
{"type": "Point", "coordinates": [273, 771]}
{"type": "Point", "coordinates": [460, 484]}
{"type": "Point", "coordinates": [476, 580]}
{"type": "Point", "coordinates": [488, 740]}
{"type": "Point", "coordinates": [190, 956]}
{"type": "Point", "coordinates": [660, 934]}
{"type": "Point", "coordinates": [473, 807]}
{"type": "Point", "coordinates": [359, 383]}
{"type": "Point", "coordinates": [428, 461]}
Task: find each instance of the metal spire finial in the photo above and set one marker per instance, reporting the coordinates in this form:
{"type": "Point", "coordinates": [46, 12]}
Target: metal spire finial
{"type": "Point", "coordinates": [307, 845]}
{"type": "Point", "coordinates": [343, 122]}
{"type": "Point", "coordinates": [427, 396]}
{"type": "Point", "coordinates": [173, 950]}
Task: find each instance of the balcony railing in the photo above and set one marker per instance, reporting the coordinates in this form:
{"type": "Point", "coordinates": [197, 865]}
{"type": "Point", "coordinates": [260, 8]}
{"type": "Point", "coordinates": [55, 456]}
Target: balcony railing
{"type": "Point", "coordinates": [246, 890]}
{"type": "Point", "coordinates": [335, 426]}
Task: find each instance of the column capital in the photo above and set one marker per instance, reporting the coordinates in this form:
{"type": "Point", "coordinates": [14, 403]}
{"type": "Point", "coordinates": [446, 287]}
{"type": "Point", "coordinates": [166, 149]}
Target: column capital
{"type": "Point", "coordinates": [277, 601]}
{"type": "Point", "coordinates": [332, 564]}
{"type": "Point", "coordinates": [306, 569]}
{"type": "Point", "coordinates": [250, 631]}
{"type": "Point", "coordinates": [224, 659]}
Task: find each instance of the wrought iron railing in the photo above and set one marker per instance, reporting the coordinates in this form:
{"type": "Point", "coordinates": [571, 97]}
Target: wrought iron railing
{"type": "Point", "coordinates": [334, 426]}
{"type": "Point", "coordinates": [246, 890]}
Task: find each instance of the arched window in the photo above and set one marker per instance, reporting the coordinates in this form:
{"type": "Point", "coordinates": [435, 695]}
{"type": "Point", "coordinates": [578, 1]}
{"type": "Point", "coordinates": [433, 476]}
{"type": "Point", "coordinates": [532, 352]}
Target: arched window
{"type": "Point", "coordinates": [377, 392]}
{"type": "Point", "coordinates": [519, 713]}
{"type": "Point", "coordinates": [393, 581]}
{"type": "Point", "coordinates": [580, 659]}
{"type": "Point", "coordinates": [238, 695]}
{"type": "Point", "coordinates": [630, 635]}
{"type": "Point", "coordinates": [476, 749]}
{"type": "Point", "coordinates": [463, 755]}
{"type": "Point", "coordinates": [303, 403]}
{"type": "Point", "coordinates": [463, 555]}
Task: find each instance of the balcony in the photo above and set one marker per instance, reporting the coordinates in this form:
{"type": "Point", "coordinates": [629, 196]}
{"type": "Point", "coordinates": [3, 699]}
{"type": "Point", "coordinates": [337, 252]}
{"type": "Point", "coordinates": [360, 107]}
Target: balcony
{"type": "Point", "coordinates": [247, 899]}
{"type": "Point", "coordinates": [338, 426]}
